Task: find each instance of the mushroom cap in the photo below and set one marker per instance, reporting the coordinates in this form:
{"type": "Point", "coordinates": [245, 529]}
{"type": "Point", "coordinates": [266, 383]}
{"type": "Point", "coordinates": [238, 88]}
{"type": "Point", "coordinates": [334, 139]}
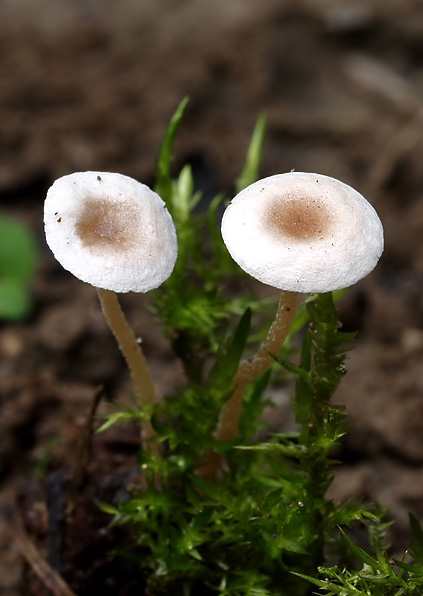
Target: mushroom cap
{"type": "Point", "coordinates": [110, 231]}
{"type": "Point", "coordinates": [303, 232]}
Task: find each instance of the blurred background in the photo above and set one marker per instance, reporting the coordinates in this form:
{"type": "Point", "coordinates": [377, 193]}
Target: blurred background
{"type": "Point", "coordinates": [91, 84]}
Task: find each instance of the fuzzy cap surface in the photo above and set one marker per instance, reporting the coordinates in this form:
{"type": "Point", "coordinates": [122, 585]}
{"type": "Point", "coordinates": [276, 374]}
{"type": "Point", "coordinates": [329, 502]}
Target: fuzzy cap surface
{"type": "Point", "coordinates": [110, 231]}
{"type": "Point", "coordinates": [303, 232]}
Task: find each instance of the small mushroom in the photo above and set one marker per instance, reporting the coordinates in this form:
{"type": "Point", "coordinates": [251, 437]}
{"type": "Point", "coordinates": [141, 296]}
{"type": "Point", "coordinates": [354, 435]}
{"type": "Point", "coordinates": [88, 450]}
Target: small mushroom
{"type": "Point", "coordinates": [116, 234]}
{"type": "Point", "coordinates": [110, 231]}
{"type": "Point", "coordinates": [303, 232]}
{"type": "Point", "coordinates": [298, 232]}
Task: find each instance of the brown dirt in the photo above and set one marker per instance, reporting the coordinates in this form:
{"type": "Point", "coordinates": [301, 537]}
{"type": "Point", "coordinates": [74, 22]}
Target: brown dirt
{"type": "Point", "coordinates": [91, 84]}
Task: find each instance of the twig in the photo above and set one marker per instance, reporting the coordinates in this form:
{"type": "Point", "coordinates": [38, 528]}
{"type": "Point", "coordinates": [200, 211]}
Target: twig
{"type": "Point", "coordinates": [83, 455]}
{"type": "Point", "coordinates": [42, 569]}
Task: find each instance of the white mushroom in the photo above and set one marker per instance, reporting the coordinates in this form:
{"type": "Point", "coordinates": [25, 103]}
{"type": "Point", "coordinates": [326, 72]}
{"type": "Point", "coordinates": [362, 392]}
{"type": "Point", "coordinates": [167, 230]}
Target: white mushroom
{"type": "Point", "coordinates": [116, 234]}
{"type": "Point", "coordinates": [303, 232]}
{"type": "Point", "coordinates": [110, 231]}
{"type": "Point", "coordinates": [298, 232]}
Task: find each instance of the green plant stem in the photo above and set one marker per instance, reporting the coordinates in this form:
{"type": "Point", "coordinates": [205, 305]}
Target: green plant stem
{"type": "Point", "coordinates": [249, 370]}
{"type": "Point", "coordinates": [132, 352]}
{"type": "Point", "coordinates": [321, 422]}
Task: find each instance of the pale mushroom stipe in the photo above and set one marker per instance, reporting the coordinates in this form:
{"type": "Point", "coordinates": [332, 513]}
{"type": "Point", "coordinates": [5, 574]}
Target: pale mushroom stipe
{"type": "Point", "coordinates": [116, 234]}
{"type": "Point", "coordinates": [298, 232]}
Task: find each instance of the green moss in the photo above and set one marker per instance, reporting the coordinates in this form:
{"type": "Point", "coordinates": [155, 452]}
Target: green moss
{"type": "Point", "coordinates": [263, 526]}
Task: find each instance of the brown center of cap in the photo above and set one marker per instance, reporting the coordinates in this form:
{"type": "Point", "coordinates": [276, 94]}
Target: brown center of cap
{"type": "Point", "coordinates": [107, 225]}
{"type": "Point", "coordinates": [303, 219]}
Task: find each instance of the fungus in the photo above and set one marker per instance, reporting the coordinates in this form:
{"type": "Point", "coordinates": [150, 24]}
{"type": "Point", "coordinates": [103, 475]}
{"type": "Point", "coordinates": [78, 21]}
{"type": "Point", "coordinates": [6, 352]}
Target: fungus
{"type": "Point", "coordinates": [116, 234]}
{"type": "Point", "coordinates": [298, 232]}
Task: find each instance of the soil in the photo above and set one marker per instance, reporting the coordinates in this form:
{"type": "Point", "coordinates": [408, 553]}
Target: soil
{"type": "Point", "coordinates": [91, 84]}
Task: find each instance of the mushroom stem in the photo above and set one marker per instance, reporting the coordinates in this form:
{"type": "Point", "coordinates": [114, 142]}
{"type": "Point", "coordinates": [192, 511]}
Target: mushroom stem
{"type": "Point", "coordinates": [249, 370]}
{"type": "Point", "coordinates": [132, 352]}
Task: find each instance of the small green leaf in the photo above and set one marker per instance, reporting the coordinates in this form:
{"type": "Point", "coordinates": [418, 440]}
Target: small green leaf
{"type": "Point", "coordinates": [254, 403]}
{"type": "Point", "coordinates": [163, 185]}
{"type": "Point", "coordinates": [417, 537]}
{"type": "Point", "coordinates": [107, 508]}
{"type": "Point", "coordinates": [15, 300]}
{"type": "Point", "coordinates": [290, 450]}
{"type": "Point", "coordinates": [249, 173]}
{"type": "Point", "coordinates": [203, 518]}
{"type": "Point", "coordinates": [361, 554]}
{"type": "Point", "coordinates": [293, 368]}
{"type": "Point", "coordinates": [123, 415]}
{"type": "Point", "coordinates": [414, 569]}
{"type": "Point", "coordinates": [326, 585]}
{"type": "Point", "coordinates": [18, 250]}
{"type": "Point", "coordinates": [183, 198]}
{"type": "Point", "coordinates": [228, 361]}
{"type": "Point", "coordinates": [273, 498]}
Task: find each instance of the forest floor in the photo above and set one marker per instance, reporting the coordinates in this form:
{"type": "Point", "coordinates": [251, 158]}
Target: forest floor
{"type": "Point", "coordinates": [90, 84]}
